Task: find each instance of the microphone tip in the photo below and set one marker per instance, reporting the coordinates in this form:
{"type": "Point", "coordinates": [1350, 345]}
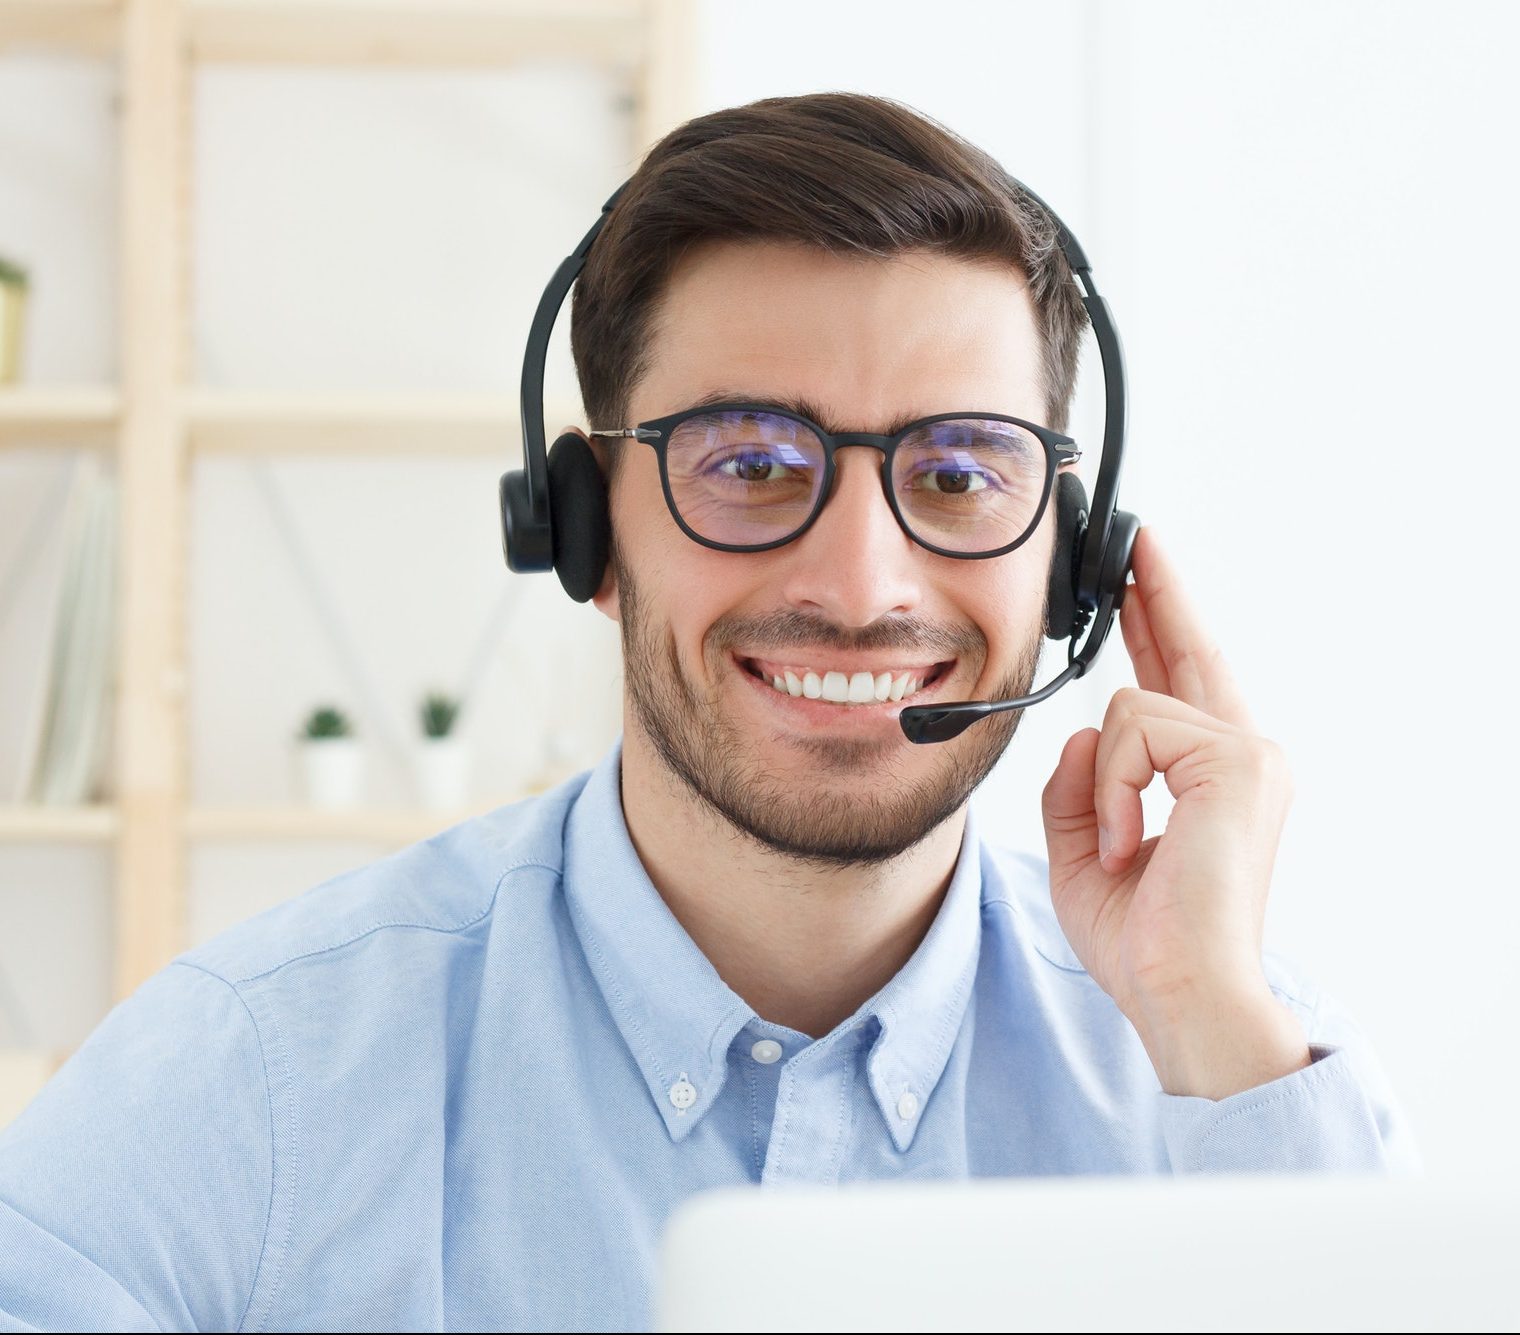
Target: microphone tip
{"type": "Point", "coordinates": [924, 724]}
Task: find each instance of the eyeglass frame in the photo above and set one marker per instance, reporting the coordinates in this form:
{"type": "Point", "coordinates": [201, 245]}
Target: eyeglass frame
{"type": "Point", "coordinates": [1060, 450]}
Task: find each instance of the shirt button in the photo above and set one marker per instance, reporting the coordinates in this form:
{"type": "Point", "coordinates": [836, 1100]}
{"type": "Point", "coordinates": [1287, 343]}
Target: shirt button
{"type": "Point", "coordinates": [766, 1051]}
{"type": "Point", "coordinates": [683, 1094]}
{"type": "Point", "coordinates": [907, 1106]}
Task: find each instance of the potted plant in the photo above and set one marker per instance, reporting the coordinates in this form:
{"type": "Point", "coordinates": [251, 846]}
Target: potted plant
{"type": "Point", "coordinates": [443, 758]}
{"type": "Point", "coordinates": [331, 759]}
{"type": "Point", "coordinates": [13, 290]}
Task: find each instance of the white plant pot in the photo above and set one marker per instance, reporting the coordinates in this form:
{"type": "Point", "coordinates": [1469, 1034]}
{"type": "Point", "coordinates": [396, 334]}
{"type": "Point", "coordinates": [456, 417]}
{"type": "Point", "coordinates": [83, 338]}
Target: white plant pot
{"type": "Point", "coordinates": [333, 768]}
{"type": "Point", "coordinates": [443, 773]}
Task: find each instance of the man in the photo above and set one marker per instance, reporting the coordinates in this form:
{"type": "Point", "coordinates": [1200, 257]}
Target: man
{"type": "Point", "coordinates": [764, 940]}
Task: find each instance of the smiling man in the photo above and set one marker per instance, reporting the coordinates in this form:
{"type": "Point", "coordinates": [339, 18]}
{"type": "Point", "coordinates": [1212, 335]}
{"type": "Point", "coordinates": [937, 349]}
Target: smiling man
{"type": "Point", "coordinates": [764, 940]}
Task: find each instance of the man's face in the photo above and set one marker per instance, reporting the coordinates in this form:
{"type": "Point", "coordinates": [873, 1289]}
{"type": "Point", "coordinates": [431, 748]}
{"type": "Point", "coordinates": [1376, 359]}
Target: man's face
{"type": "Point", "coordinates": [705, 633]}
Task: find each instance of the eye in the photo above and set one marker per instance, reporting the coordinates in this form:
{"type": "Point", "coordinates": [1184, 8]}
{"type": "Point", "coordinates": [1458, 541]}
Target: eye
{"type": "Point", "coordinates": [753, 466]}
{"type": "Point", "coordinates": [951, 481]}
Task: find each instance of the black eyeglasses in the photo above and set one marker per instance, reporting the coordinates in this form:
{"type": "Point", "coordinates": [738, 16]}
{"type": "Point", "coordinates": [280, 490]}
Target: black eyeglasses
{"type": "Point", "coordinates": [743, 477]}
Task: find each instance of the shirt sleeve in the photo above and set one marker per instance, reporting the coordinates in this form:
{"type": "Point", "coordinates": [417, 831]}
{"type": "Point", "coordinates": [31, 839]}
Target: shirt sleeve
{"type": "Point", "coordinates": [136, 1188]}
{"type": "Point", "coordinates": [1338, 1114]}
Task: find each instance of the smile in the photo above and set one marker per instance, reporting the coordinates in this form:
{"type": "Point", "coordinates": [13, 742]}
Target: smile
{"type": "Point", "coordinates": [836, 685]}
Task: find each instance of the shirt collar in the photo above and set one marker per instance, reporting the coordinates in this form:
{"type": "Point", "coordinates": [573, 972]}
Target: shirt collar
{"type": "Point", "coordinates": [679, 1017]}
{"type": "Point", "coordinates": [676, 1015]}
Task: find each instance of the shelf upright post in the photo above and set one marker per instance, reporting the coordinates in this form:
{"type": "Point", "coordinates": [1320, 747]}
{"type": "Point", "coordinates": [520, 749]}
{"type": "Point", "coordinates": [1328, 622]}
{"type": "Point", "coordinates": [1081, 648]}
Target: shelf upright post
{"type": "Point", "coordinates": [670, 49]}
{"type": "Point", "coordinates": [151, 764]}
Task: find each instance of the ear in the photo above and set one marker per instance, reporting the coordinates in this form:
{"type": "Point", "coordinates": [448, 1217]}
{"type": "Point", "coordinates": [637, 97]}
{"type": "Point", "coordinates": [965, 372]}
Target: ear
{"type": "Point", "coordinates": [605, 598]}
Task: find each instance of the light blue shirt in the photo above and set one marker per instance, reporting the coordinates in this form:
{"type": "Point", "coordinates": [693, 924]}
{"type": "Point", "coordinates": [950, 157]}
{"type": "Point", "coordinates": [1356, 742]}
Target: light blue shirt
{"type": "Point", "coordinates": [464, 1086]}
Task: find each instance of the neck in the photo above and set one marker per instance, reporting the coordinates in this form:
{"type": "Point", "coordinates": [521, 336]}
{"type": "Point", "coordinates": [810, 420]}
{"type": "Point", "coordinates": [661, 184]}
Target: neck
{"type": "Point", "coordinates": [803, 944]}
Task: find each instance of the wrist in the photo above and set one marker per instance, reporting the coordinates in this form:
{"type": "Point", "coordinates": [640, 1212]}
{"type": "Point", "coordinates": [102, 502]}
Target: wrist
{"type": "Point", "coordinates": [1214, 1041]}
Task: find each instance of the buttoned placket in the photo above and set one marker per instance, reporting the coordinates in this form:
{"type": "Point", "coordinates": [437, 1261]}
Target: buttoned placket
{"type": "Point", "coordinates": [757, 1057]}
{"type": "Point", "coordinates": [813, 1118]}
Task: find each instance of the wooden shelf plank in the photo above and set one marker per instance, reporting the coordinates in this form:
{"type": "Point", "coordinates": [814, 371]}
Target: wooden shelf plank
{"type": "Point", "coordinates": [222, 422]}
{"type": "Point", "coordinates": [73, 27]}
{"type": "Point", "coordinates": [416, 32]}
{"type": "Point", "coordinates": [40, 824]}
{"type": "Point", "coordinates": [63, 415]}
{"type": "Point", "coordinates": [369, 825]}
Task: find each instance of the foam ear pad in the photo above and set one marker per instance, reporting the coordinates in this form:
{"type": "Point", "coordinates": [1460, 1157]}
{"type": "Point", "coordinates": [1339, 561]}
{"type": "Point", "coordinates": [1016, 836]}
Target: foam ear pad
{"type": "Point", "coordinates": [1066, 557]}
{"type": "Point", "coordinates": [578, 509]}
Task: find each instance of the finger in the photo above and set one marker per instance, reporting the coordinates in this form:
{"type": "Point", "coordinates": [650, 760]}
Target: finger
{"type": "Point", "coordinates": [1141, 747]}
{"type": "Point", "coordinates": [1195, 667]}
{"type": "Point", "coordinates": [1140, 641]}
{"type": "Point", "coordinates": [1131, 702]}
{"type": "Point", "coordinates": [1071, 823]}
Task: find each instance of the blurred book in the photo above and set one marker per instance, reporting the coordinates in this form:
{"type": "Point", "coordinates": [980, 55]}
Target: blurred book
{"type": "Point", "coordinates": [70, 747]}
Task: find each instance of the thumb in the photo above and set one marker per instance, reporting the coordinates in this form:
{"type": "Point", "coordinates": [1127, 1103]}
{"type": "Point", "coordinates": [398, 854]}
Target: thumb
{"type": "Point", "coordinates": [1071, 819]}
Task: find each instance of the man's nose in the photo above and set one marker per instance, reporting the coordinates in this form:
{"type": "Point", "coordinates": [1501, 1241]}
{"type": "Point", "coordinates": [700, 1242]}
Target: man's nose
{"type": "Point", "coordinates": [855, 564]}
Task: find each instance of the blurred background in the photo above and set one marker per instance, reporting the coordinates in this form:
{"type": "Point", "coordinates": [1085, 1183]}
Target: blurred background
{"type": "Point", "coordinates": [266, 268]}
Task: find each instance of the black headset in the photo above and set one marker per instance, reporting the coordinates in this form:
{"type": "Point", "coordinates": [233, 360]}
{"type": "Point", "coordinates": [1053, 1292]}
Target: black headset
{"type": "Point", "coordinates": [554, 512]}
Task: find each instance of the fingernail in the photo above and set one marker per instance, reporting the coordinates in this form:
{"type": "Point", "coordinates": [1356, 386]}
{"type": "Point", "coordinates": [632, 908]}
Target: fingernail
{"type": "Point", "coordinates": [1105, 842]}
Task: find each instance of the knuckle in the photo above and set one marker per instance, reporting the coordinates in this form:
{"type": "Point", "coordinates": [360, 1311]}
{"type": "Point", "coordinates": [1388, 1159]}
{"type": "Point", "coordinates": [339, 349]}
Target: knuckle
{"type": "Point", "coordinates": [1267, 759]}
{"type": "Point", "coordinates": [1126, 702]}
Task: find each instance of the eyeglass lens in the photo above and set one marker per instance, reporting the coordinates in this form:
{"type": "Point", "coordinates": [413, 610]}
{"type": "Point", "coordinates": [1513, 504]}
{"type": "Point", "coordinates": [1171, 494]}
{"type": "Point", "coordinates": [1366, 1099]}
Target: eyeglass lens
{"type": "Point", "coordinates": [745, 479]}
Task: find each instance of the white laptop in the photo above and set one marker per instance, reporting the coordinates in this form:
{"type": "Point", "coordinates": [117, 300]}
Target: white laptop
{"type": "Point", "coordinates": [1203, 1253]}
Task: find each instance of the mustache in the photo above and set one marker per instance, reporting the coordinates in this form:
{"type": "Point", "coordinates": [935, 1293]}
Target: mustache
{"type": "Point", "coordinates": [797, 630]}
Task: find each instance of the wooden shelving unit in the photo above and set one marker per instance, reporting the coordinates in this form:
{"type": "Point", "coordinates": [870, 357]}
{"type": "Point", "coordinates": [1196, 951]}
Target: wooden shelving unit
{"type": "Point", "coordinates": [44, 825]}
{"type": "Point", "coordinates": [391, 828]}
{"type": "Point", "coordinates": [87, 27]}
{"type": "Point", "coordinates": [156, 424]}
{"type": "Point", "coordinates": [458, 425]}
{"type": "Point", "coordinates": [423, 32]}
{"type": "Point", "coordinates": [87, 415]}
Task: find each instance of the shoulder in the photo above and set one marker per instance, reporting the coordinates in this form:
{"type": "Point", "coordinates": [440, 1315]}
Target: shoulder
{"type": "Point", "coordinates": [444, 884]}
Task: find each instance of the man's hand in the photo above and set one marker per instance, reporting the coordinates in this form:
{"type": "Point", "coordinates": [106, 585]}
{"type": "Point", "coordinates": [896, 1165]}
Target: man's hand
{"type": "Point", "coordinates": [1171, 926]}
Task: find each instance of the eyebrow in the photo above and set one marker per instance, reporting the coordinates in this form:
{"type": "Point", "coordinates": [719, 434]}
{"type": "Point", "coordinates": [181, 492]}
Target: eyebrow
{"type": "Point", "coordinates": [802, 408]}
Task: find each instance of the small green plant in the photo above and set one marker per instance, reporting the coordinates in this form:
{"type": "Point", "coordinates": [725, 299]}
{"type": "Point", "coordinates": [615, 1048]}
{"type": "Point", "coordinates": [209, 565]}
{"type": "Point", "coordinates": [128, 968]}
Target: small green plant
{"type": "Point", "coordinates": [326, 722]}
{"type": "Point", "coordinates": [438, 714]}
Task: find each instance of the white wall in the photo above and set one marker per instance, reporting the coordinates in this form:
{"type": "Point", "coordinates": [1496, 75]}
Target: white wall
{"type": "Point", "coordinates": [1301, 216]}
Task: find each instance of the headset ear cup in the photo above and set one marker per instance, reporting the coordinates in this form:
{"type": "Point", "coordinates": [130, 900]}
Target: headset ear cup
{"type": "Point", "coordinates": [1118, 556]}
{"type": "Point", "coordinates": [578, 508]}
{"type": "Point", "coordinates": [1065, 557]}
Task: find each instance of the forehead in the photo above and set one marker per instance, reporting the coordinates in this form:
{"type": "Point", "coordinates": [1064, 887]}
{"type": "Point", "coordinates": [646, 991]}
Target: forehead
{"type": "Point", "coordinates": [872, 342]}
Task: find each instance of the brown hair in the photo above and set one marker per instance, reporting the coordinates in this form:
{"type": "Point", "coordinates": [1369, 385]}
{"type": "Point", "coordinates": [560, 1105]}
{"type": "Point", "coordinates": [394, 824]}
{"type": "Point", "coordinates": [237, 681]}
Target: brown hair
{"type": "Point", "coordinates": [843, 171]}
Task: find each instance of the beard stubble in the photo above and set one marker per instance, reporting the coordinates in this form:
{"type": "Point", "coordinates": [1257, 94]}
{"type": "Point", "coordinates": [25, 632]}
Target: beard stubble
{"type": "Point", "coordinates": [867, 817]}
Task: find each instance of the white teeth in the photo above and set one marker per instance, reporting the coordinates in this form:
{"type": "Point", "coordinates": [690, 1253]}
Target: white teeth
{"type": "Point", "coordinates": [856, 688]}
